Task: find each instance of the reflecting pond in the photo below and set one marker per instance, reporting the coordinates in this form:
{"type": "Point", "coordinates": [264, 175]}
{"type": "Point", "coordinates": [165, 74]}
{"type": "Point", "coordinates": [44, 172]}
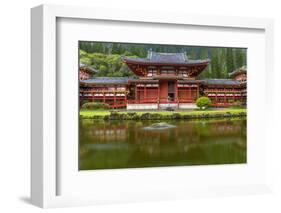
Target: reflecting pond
{"type": "Point", "coordinates": [135, 144]}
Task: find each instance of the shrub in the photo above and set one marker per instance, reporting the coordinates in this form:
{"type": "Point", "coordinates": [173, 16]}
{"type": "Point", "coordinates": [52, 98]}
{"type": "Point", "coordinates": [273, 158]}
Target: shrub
{"type": "Point", "coordinates": [84, 101]}
{"type": "Point", "coordinates": [145, 116]}
{"type": "Point", "coordinates": [155, 116]}
{"type": "Point", "coordinates": [95, 105]}
{"type": "Point", "coordinates": [237, 104]}
{"type": "Point", "coordinates": [176, 116]}
{"type": "Point", "coordinates": [114, 115]}
{"type": "Point", "coordinates": [203, 102]}
{"type": "Point", "coordinates": [131, 114]}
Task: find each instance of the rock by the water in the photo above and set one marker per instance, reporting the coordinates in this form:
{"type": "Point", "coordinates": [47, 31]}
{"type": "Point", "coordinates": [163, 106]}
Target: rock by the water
{"type": "Point", "coordinates": [159, 126]}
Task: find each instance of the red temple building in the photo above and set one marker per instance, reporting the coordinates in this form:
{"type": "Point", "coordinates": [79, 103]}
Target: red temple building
{"type": "Point", "coordinates": [85, 72]}
{"type": "Point", "coordinates": [239, 74]}
{"type": "Point", "coordinates": [164, 80]}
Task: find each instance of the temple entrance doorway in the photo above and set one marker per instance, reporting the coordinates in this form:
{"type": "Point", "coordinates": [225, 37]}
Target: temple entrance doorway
{"type": "Point", "coordinates": [167, 91]}
{"type": "Point", "coordinates": [163, 86]}
{"type": "Point", "coordinates": [171, 91]}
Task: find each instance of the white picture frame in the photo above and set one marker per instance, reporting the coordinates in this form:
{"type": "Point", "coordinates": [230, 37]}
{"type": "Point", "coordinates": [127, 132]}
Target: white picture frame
{"type": "Point", "coordinates": [44, 135]}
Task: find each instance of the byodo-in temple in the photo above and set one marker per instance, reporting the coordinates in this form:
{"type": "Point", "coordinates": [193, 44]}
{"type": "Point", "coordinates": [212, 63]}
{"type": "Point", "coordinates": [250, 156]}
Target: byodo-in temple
{"type": "Point", "coordinates": [163, 80]}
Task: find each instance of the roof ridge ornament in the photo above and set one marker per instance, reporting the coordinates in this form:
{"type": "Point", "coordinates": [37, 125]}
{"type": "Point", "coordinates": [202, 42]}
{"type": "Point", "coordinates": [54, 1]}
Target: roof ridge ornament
{"type": "Point", "coordinates": [185, 57]}
{"type": "Point", "coordinates": [149, 53]}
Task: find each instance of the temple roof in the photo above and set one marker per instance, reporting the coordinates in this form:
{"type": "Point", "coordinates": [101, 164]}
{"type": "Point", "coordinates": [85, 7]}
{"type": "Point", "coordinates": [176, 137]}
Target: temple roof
{"type": "Point", "coordinates": [192, 81]}
{"type": "Point", "coordinates": [166, 61]}
{"type": "Point", "coordinates": [229, 82]}
{"type": "Point", "coordinates": [167, 77]}
{"type": "Point", "coordinates": [88, 68]}
{"type": "Point", "coordinates": [165, 58]}
{"type": "Point", "coordinates": [107, 80]}
{"type": "Point", "coordinates": [143, 81]}
{"type": "Point", "coordinates": [238, 71]}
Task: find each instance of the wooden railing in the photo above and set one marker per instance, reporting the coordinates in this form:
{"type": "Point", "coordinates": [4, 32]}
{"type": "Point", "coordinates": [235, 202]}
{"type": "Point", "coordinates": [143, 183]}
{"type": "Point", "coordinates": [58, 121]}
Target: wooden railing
{"type": "Point", "coordinates": [103, 97]}
{"type": "Point", "coordinates": [222, 90]}
{"type": "Point", "coordinates": [160, 101]}
{"type": "Point", "coordinates": [118, 106]}
{"type": "Point", "coordinates": [102, 91]}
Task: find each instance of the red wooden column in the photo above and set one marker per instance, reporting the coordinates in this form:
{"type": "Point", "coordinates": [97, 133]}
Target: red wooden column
{"type": "Point", "coordinates": [176, 90]}
{"type": "Point", "coordinates": [224, 96]}
{"type": "Point", "coordinates": [136, 92]}
{"type": "Point", "coordinates": [114, 98]}
{"type": "Point", "coordinates": [233, 94]}
{"type": "Point", "coordinates": [91, 92]}
{"type": "Point", "coordinates": [125, 97]}
{"type": "Point", "coordinates": [189, 92]}
{"type": "Point", "coordinates": [103, 95]}
{"type": "Point", "coordinates": [114, 101]}
{"type": "Point", "coordinates": [216, 97]}
{"type": "Point", "coordinates": [176, 93]}
{"type": "Point", "coordinates": [158, 94]}
{"type": "Point", "coordinates": [197, 91]}
{"type": "Point", "coordinates": [145, 92]}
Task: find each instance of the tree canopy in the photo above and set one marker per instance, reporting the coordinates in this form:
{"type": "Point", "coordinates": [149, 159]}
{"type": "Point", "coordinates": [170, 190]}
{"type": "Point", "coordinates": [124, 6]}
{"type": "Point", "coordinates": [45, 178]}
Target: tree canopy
{"type": "Point", "coordinates": [106, 57]}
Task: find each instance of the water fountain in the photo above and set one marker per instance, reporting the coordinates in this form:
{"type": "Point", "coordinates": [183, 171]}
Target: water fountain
{"type": "Point", "coordinates": [159, 126]}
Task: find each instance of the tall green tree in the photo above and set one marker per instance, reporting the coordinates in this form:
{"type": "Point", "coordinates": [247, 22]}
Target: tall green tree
{"type": "Point", "coordinates": [215, 66]}
{"type": "Point", "coordinates": [106, 57]}
{"type": "Point", "coordinates": [240, 58]}
{"type": "Point", "coordinates": [229, 60]}
{"type": "Point", "coordinates": [205, 55]}
{"type": "Point", "coordinates": [193, 53]}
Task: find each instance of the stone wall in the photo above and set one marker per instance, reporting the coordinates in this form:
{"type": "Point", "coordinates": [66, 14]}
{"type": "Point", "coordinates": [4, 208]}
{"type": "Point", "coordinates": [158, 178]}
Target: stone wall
{"type": "Point", "coordinates": [142, 106]}
{"type": "Point", "coordinates": [161, 106]}
{"type": "Point", "coordinates": [188, 106]}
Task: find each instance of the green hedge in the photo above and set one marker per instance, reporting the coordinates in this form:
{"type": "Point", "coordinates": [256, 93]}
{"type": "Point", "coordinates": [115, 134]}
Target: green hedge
{"type": "Point", "coordinates": [95, 105]}
{"type": "Point", "coordinates": [157, 116]}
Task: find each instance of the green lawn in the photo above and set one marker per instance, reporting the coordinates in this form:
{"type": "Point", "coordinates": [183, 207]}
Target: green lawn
{"type": "Point", "coordinates": [101, 113]}
{"type": "Point", "coordinates": [94, 112]}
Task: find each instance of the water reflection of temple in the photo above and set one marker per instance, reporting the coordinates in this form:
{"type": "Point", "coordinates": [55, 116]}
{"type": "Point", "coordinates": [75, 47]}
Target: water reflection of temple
{"type": "Point", "coordinates": [106, 132]}
{"type": "Point", "coordinates": [186, 134]}
{"type": "Point", "coordinates": [125, 144]}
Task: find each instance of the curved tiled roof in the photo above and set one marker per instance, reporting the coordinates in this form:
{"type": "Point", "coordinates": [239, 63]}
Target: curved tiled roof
{"type": "Point", "coordinates": [165, 58]}
{"type": "Point", "coordinates": [143, 81]}
{"type": "Point", "coordinates": [179, 60]}
{"type": "Point", "coordinates": [190, 81]}
{"type": "Point", "coordinates": [88, 68]}
{"type": "Point", "coordinates": [107, 80]}
{"type": "Point", "coordinates": [238, 71]}
{"type": "Point", "coordinates": [125, 80]}
{"type": "Point", "coordinates": [221, 82]}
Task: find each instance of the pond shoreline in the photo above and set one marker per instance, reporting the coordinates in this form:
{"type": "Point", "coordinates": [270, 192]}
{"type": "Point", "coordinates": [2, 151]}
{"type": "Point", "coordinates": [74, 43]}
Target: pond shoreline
{"type": "Point", "coordinates": [163, 115]}
{"type": "Point", "coordinates": [121, 144]}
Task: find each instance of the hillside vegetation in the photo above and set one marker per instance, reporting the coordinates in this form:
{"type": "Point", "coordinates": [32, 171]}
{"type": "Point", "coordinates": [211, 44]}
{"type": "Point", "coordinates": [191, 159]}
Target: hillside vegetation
{"type": "Point", "coordinates": [106, 57]}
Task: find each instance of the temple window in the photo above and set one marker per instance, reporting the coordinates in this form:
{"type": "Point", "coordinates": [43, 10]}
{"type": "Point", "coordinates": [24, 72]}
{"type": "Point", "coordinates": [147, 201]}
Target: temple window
{"type": "Point", "coordinates": [152, 72]}
{"type": "Point", "coordinates": [183, 73]}
{"type": "Point", "coordinates": [168, 72]}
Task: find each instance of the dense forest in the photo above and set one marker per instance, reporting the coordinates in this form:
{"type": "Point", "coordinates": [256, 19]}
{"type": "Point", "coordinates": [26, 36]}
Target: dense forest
{"type": "Point", "coordinates": [106, 57]}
